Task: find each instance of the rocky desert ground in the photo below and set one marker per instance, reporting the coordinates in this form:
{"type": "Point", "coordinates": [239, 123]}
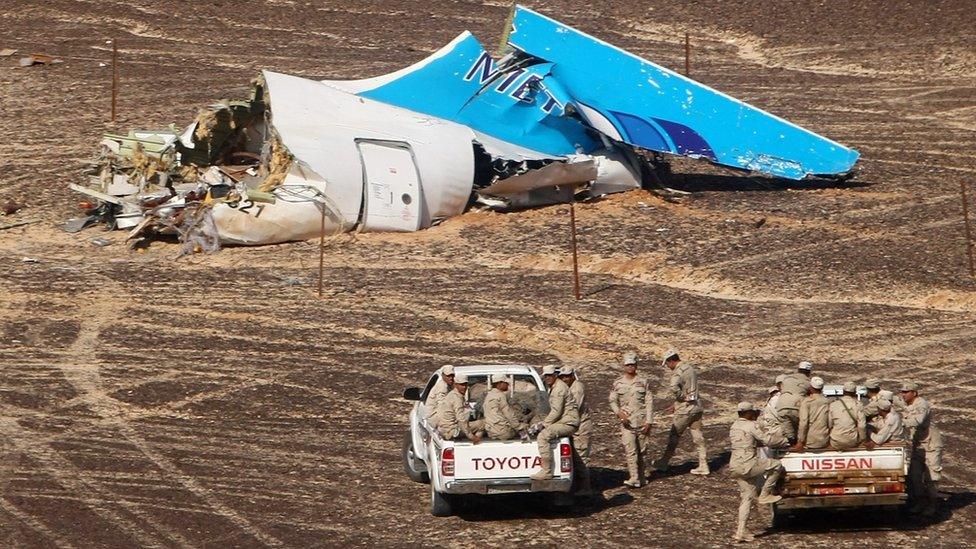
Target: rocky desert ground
{"type": "Point", "coordinates": [217, 401]}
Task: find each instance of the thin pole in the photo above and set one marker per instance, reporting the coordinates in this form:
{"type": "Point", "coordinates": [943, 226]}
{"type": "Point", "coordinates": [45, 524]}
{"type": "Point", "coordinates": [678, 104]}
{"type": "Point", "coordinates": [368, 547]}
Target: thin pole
{"type": "Point", "coordinates": [687, 56]}
{"type": "Point", "coordinates": [115, 76]}
{"type": "Point", "coordinates": [572, 222]}
{"type": "Point", "coordinates": [969, 231]}
{"type": "Point", "coordinates": [321, 249]}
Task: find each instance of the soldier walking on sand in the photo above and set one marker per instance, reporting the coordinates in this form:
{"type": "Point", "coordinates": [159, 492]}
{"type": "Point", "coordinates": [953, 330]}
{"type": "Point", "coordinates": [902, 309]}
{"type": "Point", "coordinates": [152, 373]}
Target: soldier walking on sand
{"type": "Point", "coordinates": [749, 469]}
{"type": "Point", "coordinates": [687, 412]}
{"type": "Point", "coordinates": [633, 405]}
{"type": "Point", "coordinates": [562, 421]}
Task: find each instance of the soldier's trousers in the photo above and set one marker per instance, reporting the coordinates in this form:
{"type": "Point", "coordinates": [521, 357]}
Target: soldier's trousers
{"type": "Point", "coordinates": [635, 445]}
{"type": "Point", "coordinates": [546, 436]}
{"type": "Point", "coordinates": [924, 472]}
{"type": "Point", "coordinates": [683, 422]}
{"type": "Point", "coordinates": [581, 455]}
{"type": "Point", "coordinates": [765, 472]}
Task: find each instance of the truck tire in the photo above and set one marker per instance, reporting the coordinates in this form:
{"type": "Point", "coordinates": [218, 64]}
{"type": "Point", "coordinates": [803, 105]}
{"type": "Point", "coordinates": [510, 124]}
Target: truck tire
{"type": "Point", "coordinates": [411, 465]}
{"type": "Point", "coordinates": [441, 505]}
{"type": "Point", "coordinates": [780, 518]}
{"type": "Point", "coordinates": [561, 499]}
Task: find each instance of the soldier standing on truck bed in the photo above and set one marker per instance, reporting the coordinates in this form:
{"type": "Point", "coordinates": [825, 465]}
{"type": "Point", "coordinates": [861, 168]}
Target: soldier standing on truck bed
{"type": "Point", "coordinates": [770, 423]}
{"type": "Point", "coordinates": [443, 385]}
{"type": "Point", "coordinates": [581, 439]}
{"type": "Point", "coordinates": [925, 470]}
{"type": "Point", "coordinates": [794, 389]}
{"type": "Point", "coordinates": [687, 410]}
{"type": "Point", "coordinates": [870, 409]}
{"type": "Point", "coordinates": [562, 421]}
{"type": "Point", "coordinates": [813, 432]}
{"type": "Point", "coordinates": [500, 419]}
{"type": "Point", "coordinates": [453, 416]}
{"type": "Point", "coordinates": [846, 419]}
{"type": "Point", "coordinates": [749, 469]}
{"type": "Point", "coordinates": [633, 405]}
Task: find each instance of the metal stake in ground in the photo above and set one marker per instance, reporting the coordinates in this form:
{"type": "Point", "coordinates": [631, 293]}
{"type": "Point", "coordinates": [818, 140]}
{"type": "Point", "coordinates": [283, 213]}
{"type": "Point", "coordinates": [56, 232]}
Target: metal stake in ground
{"type": "Point", "coordinates": [572, 222]}
{"type": "Point", "coordinates": [687, 56]}
{"type": "Point", "coordinates": [321, 248]}
{"type": "Point", "coordinates": [969, 231]}
{"type": "Point", "coordinates": [115, 76]}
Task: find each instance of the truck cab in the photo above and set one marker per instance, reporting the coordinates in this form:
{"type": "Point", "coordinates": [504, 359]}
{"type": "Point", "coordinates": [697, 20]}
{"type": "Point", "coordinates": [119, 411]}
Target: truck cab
{"type": "Point", "coordinates": [455, 468]}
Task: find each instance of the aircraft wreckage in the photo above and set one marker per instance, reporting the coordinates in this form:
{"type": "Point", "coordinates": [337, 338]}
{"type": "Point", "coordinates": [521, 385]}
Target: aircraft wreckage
{"type": "Point", "coordinates": [562, 114]}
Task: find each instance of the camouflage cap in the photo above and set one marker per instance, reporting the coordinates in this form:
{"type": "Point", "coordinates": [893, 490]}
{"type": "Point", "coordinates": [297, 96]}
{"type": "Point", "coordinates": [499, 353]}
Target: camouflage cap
{"type": "Point", "coordinates": [886, 394]}
{"type": "Point", "coordinates": [447, 369]}
{"type": "Point", "coordinates": [567, 371]}
{"type": "Point", "coordinates": [850, 387]}
{"type": "Point", "coordinates": [908, 386]}
{"type": "Point", "coordinates": [872, 384]}
{"type": "Point", "coordinates": [548, 370]}
{"type": "Point", "coordinates": [817, 382]}
{"type": "Point", "coordinates": [805, 366]}
{"type": "Point", "coordinates": [461, 378]}
{"type": "Point", "coordinates": [884, 404]}
{"type": "Point", "coordinates": [745, 406]}
{"type": "Point", "coordinates": [672, 352]}
{"type": "Point", "coordinates": [630, 357]}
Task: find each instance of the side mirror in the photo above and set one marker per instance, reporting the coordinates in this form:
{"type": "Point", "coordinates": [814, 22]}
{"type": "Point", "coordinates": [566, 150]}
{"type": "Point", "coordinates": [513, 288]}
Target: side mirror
{"type": "Point", "coordinates": [411, 393]}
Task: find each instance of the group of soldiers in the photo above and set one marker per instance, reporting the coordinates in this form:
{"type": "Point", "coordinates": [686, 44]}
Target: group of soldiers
{"type": "Point", "coordinates": [797, 416]}
{"type": "Point", "coordinates": [569, 416]}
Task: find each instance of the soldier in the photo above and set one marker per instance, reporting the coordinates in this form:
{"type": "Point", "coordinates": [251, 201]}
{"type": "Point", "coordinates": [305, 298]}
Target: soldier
{"type": "Point", "coordinates": [453, 416]}
{"type": "Point", "coordinates": [846, 420]}
{"type": "Point", "coordinates": [687, 412]}
{"type": "Point", "coordinates": [798, 381]}
{"type": "Point", "coordinates": [873, 388]}
{"type": "Point", "coordinates": [443, 385]}
{"type": "Point", "coordinates": [813, 432]}
{"type": "Point", "coordinates": [770, 423]}
{"type": "Point", "coordinates": [749, 468]}
{"type": "Point", "coordinates": [500, 419]}
{"type": "Point", "coordinates": [562, 421]}
{"type": "Point", "coordinates": [891, 428]}
{"type": "Point", "coordinates": [581, 440]}
{"type": "Point", "coordinates": [788, 405]}
{"type": "Point", "coordinates": [633, 405]}
{"type": "Point", "coordinates": [926, 465]}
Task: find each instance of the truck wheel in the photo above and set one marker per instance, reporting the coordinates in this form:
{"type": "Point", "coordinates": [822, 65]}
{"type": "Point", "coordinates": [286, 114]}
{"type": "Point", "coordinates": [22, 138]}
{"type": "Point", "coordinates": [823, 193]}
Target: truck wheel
{"type": "Point", "coordinates": [779, 518]}
{"type": "Point", "coordinates": [440, 504]}
{"type": "Point", "coordinates": [561, 499]}
{"type": "Point", "coordinates": [411, 464]}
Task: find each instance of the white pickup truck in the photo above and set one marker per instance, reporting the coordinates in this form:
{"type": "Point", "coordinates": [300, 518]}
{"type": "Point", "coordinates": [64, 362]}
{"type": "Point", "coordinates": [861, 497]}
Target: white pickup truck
{"type": "Point", "coordinates": [848, 479]}
{"type": "Point", "coordinates": [843, 479]}
{"type": "Point", "coordinates": [457, 467]}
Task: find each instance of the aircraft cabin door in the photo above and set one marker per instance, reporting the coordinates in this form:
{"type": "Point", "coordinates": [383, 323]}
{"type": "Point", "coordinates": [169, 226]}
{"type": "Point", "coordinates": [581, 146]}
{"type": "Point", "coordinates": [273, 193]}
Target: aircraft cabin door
{"type": "Point", "coordinates": [391, 186]}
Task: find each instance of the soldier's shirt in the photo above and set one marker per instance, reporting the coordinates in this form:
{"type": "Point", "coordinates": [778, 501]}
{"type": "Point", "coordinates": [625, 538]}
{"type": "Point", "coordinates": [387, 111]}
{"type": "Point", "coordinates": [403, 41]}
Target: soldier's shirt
{"type": "Point", "coordinates": [631, 396]}
{"type": "Point", "coordinates": [788, 410]}
{"type": "Point", "coordinates": [795, 383]}
{"type": "Point", "coordinates": [814, 425]}
{"type": "Point", "coordinates": [500, 418]}
{"type": "Point", "coordinates": [683, 388]}
{"type": "Point", "coordinates": [437, 392]}
{"type": "Point", "coordinates": [745, 438]}
{"type": "Point", "coordinates": [891, 429]}
{"type": "Point", "coordinates": [578, 391]}
{"type": "Point", "coordinates": [453, 413]}
{"type": "Point", "coordinates": [847, 423]}
{"type": "Point", "coordinates": [562, 406]}
{"type": "Point", "coordinates": [917, 418]}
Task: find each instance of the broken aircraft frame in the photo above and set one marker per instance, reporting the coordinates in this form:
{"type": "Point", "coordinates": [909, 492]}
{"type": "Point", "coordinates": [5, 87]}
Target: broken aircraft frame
{"type": "Point", "coordinates": [562, 114]}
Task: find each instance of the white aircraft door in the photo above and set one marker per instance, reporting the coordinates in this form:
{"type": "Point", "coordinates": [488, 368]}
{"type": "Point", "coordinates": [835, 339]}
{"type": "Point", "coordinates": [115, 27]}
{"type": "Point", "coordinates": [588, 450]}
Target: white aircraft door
{"type": "Point", "coordinates": [392, 187]}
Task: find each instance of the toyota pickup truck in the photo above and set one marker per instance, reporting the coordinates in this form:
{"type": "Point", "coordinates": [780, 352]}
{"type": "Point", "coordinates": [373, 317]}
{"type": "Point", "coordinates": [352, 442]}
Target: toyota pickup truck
{"type": "Point", "coordinates": [455, 468]}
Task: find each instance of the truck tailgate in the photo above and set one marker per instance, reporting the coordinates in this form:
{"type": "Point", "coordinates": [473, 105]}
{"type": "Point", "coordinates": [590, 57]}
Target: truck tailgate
{"type": "Point", "coordinates": [492, 460]}
{"type": "Point", "coordinates": [849, 463]}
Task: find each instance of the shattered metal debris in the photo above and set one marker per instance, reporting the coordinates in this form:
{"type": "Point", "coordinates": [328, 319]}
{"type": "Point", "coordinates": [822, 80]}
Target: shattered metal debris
{"type": "Point", "coordinates": [39, 59]}
{"type": "Point", "coordinates": [540, 125]}
{"type": "Point", "coordinates": [100, 242]}
{"type": "Point", "coordinates": [29, 260]}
